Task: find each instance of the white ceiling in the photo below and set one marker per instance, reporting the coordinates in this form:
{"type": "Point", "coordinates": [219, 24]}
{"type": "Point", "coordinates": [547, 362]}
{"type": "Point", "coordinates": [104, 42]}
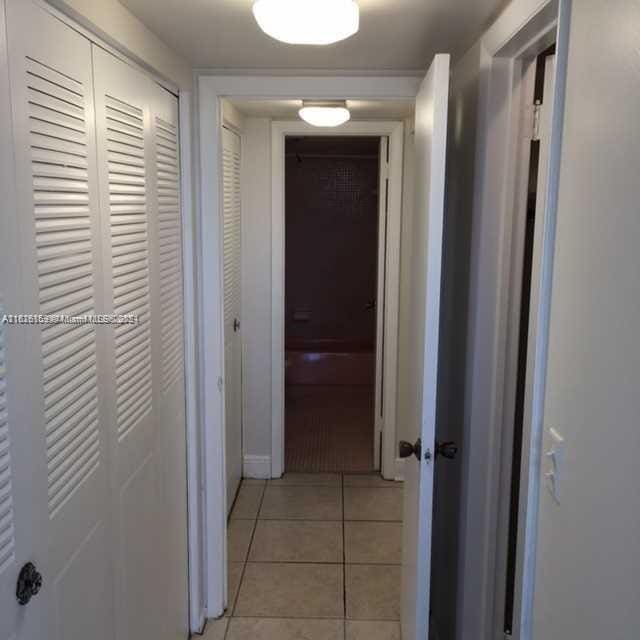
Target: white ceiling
{"type": "Point", "coordinates": [360, 109]}
{"type": "Point", "coordinates": [395, 35]}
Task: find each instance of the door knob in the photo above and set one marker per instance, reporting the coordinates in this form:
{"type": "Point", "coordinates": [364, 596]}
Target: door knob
{"type": "Point", "coordinates": [406, 449]}
{"type": "Point", "coordinates": [29, 583]}
{"type": "Point", "coordinates": [447, 450]}
{"type": "Point", "coordinates": [236, 324]}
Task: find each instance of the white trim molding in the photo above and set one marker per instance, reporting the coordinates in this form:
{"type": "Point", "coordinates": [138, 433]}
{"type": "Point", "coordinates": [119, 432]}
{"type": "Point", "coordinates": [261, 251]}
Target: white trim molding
{"type": "Point", "coordinates": [399, 469]}
{"type": "Point", "coordinates": [395, 132]}
{"type": "Point", "coordinates": [258, 467]}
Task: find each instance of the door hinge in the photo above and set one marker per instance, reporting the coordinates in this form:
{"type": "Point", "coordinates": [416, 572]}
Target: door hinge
{"type": "Point", "coordinates": [537, 112]}
{"type": "Point", "coordinates": [220, 383]}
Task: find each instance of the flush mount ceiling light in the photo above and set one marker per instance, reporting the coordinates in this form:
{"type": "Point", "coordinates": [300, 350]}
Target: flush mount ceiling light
{"type": "Point", "coordinates": [308, 21]}
{"type": "Point", "coordinates": [325, 114]}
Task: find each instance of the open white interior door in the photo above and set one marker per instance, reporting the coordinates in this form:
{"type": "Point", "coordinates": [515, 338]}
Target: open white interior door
{"type": "Point", "coordinates": [430, 145]}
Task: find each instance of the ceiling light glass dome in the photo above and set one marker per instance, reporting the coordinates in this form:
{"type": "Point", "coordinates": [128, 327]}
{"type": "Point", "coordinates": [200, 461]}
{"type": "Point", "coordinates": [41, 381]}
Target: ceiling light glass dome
{"type": "Point", "coordinates": [318, 22]}
{"type": "Point", "coordinates": [325, 114]}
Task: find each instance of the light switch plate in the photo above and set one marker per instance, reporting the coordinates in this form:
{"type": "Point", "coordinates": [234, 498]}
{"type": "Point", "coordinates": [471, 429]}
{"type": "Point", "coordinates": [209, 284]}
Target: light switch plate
{"type": "Point", "coordinates": [554, 463]}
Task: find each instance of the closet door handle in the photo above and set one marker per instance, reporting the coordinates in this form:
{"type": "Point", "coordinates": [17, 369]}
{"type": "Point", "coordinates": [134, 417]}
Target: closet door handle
{"type": "Point", "coordinates": [29, 583]}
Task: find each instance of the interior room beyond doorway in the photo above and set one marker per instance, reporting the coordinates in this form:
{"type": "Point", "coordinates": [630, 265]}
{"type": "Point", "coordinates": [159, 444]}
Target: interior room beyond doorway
{"type": "Point", "coordinates": [331, 289]}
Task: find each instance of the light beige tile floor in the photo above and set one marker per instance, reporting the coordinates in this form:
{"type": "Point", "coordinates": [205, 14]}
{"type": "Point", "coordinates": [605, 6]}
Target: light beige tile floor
{"type": "Point", "coordinates": [302, 503]}
{"type": "Point", "coordinates": [247, 502]}
{"type": "Point", "coordinates": [297, 541]}
{"type": "Point", "coordinates": [285, 629]}
{"type": "Point", "coordinates": [372, 591]}
{"type": "Point", "coordinates": [311, 479]}
{"type": "Point", "coordinates": [239, 533]}
{"type": "Point", "coordinates": [373, 542]}
{"type": "Point", "coordinates": [372, 504]}
{"type": "Point", "coordinates": [314, 557]}
{"type": "Point", "coordinates": [367, 630]}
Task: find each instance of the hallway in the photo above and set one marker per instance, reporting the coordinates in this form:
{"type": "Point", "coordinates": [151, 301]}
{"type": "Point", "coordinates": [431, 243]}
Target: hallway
{"type": "Point", "coordinates": [314, 556]}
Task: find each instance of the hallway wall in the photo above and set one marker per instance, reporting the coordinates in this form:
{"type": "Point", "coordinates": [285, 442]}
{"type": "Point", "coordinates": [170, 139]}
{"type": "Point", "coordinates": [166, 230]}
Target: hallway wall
{"type": "Point", "coordinates": [589, 544]}
{"type": "Point", "coordinates": [588, 550]}
{"type": "Point", "coordinates": [256, 289]}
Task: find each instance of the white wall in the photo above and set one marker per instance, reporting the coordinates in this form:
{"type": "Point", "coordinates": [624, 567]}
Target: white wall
{"type": "Point", "coordinates": [588, 559]}
{"type": "Point", "coordinates": [256, 287]}
{"type": "Point", "coordinates": [121, 29]}
{"type": "Point", "coordinates": [588, 551]}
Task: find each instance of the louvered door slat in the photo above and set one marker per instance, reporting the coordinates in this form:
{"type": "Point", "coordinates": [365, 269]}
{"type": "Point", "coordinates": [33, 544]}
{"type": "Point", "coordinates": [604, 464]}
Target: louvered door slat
{"type": "Point", "coordinates": [130, 261]}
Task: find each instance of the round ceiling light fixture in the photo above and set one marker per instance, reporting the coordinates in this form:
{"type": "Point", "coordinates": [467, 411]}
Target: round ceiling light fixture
{"type": "Point", "coordinates": [318, 22]}
{"type": "Point", "coordinates": [325, 114]}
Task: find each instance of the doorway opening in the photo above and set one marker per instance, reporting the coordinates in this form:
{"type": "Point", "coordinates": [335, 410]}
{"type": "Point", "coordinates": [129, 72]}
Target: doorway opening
{"type": "Point", "coordinates": [333, 274]}
{"type": "Point", "coordinates": [536, 184]}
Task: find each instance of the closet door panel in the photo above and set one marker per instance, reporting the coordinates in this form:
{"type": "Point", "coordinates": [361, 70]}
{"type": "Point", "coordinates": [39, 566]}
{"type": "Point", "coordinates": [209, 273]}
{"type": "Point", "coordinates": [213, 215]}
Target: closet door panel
{"type": "Point", "coordinates": [168, 337]}
{"type": "Point", "coordinates": [59, 249]}
{"type": "Point", "coordinates": [123, 125]}
{"type": "Point", "coordinates": [232, 228]}
{"type": "Point", "coordinates": [138, 156]}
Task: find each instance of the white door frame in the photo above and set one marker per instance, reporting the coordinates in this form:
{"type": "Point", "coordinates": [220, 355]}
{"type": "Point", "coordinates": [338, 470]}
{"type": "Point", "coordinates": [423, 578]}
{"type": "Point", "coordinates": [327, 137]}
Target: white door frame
{"type": "Point", "coordinates": [212, 89]}
{"type": "Point", "coordinates": [525, 28]}
{"type": "Point", "coordinates": [279, 131]}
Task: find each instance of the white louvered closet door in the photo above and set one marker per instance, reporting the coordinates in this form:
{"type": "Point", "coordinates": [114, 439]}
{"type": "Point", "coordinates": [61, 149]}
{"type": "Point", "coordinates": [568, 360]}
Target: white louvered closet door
{"type": "Point", "coordinates": [138, 166]}
{"type": "Point", "coordinates": [63, 438]}
{"type": "Point", "coordinates": [232, 226]}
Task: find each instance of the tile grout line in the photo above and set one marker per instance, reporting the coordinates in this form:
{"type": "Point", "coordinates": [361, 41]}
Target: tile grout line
{"type": "Point", "coordinates": [311, 618]}
{"type": "Point", "coordinates": [279, 519]}
{"type": "Point", "coordinates": [343, 486]}
{"type": "Point", "coordinates": [244, 564]}
{"type": "Point", "coordinates": [323, 564]}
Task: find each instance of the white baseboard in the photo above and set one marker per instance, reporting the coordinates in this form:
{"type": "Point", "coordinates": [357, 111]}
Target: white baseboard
{"type": "Point", "coordinates": [256, 467]}
{"type": "Point", "coordinates": [399, 477]}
